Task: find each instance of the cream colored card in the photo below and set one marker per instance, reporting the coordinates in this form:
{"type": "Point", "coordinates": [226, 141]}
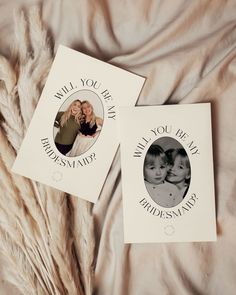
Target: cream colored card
{"type": "Point", "coordinates": [72, 138]}
{"type": "Point", "coordinates": [167, 173]}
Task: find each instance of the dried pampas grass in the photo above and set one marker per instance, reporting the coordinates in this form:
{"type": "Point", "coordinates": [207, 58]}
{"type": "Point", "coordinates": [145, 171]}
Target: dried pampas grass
{"type": "Point", "coordinates": [46, 237]}
{"type": "Point", "coordinates": [85, 242]}
{"type": "Point", "coordinates": [18, 271]}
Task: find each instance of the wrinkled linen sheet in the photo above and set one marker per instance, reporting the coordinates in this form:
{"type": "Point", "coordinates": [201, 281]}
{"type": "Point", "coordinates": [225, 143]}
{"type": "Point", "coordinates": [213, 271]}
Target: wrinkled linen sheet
{"type": "Point", "coordinates": [187, 51]}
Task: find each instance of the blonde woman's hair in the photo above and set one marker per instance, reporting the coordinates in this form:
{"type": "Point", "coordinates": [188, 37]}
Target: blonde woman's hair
{"type": "Point", "coordinates": [93, 121]}
{"type": "Point", "coordinates": [65, 117]}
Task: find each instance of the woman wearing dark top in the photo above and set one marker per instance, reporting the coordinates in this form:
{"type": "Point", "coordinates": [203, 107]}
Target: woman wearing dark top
{"type": "Point", "coordinates": [89, 130]}
{"type": "Point", "coordinates": [68, 123]}
{"type": "Point", "coordinates": [86, 129]}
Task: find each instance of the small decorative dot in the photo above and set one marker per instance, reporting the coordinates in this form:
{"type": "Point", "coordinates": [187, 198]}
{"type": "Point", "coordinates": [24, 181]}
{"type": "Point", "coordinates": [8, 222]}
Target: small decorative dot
{"type": "Point", "coordinates": [57, 176]}
{"type": "Point", "coordinates": [169, 230]}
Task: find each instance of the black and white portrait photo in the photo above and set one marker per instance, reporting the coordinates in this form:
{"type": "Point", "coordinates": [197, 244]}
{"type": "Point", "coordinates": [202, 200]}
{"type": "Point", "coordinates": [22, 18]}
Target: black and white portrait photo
{"type": "Point", "coordinates": [78, 123]}
{"type": "Point", "coordinates": [167, 172]}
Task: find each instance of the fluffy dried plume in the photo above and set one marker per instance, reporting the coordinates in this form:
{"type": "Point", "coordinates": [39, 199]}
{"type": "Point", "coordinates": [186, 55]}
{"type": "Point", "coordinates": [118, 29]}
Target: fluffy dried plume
{"type": "Point", "coordinates": [34, 60]}
{"type": "Point", "coordinates": [24, 194]}
{"type": "Point", "coordinates": [85, 241]}
{"type": "Point", "coordinates": [13, 123]}
{"type": "Point", "coordinates": [61, 241]}
{"type": "Point", "coordinates": [15, 221]}
{"type": "Point", "coordinates": [18, 270]}
{"type": "Point", "coordinates": [52, 235]}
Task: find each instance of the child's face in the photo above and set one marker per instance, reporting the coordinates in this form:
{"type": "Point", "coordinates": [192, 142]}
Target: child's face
{"type": "Point", "coordinates": [155, 172]}
{"type": "Point", "coordinates": [179, 171]}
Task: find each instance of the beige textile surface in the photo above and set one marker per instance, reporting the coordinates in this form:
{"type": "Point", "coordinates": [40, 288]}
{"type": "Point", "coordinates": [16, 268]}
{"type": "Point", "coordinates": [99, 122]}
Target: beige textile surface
{"type": "Point", "coordinates": [187, 51]}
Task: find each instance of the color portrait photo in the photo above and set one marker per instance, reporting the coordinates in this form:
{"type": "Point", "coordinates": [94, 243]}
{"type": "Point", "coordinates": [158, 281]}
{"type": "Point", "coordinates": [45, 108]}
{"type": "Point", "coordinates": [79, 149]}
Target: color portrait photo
{"type": "Point", "coordinates": [78, 123]}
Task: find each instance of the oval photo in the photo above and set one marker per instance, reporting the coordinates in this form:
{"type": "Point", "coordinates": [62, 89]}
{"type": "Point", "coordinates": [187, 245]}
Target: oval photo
{"type": "Point", "coordinates": [167, 172]}
{"type": "Point", "coordinates": [78, 123]}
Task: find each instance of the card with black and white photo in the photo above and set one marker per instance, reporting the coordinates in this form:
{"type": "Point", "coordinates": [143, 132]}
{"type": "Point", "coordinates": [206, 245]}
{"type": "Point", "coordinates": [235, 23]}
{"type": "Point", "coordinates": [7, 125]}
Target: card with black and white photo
{"type": "Point", "coordinates": [72, 138]}
{"type": "Point", "coordinates": [167, 173]}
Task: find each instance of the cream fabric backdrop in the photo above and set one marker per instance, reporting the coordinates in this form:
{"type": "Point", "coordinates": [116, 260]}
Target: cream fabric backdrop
{"type": "Point", "coordinates": [187, 51]}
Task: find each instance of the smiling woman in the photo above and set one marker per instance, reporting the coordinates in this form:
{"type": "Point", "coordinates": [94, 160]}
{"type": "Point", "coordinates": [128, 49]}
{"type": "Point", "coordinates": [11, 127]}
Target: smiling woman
{"type": "Point", "coordinates": [68, 123]}
{"type": "Point", "coordinates": [91, 122]}
{"type": "Point", "coordinates": [78, 123]}
{"type": "Point", "coordinates": [90, 129]}
{"type": "Point", "coordinates": [166, 172]}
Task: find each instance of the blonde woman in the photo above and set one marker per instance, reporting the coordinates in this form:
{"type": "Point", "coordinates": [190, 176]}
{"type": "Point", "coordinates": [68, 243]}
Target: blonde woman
{"type": "Point", "coordinates": [69, 123]}
{"type": "Point", "coordinates": [89, 130]}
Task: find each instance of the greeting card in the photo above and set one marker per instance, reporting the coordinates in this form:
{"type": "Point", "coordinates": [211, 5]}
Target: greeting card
{"type": "Point", "coordinates": [167, 173]}
{"type": "Point", "coordinates": [72, 138]}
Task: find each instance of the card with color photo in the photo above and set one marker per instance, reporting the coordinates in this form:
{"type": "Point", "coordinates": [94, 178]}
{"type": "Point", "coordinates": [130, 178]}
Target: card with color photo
{"type": "Point", "coordinates": [167, 173]}
{"type": "Point", "coordinates": [72, 138]}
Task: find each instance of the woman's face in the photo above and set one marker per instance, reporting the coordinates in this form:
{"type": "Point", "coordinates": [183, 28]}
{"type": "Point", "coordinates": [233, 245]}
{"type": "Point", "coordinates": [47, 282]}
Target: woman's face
{"type": "Point", "coordinates": [87, 109]}
{"type": "Point", "coordinates": [75, 108]}
{"type": "Point", "coordinates": [179, 171]}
